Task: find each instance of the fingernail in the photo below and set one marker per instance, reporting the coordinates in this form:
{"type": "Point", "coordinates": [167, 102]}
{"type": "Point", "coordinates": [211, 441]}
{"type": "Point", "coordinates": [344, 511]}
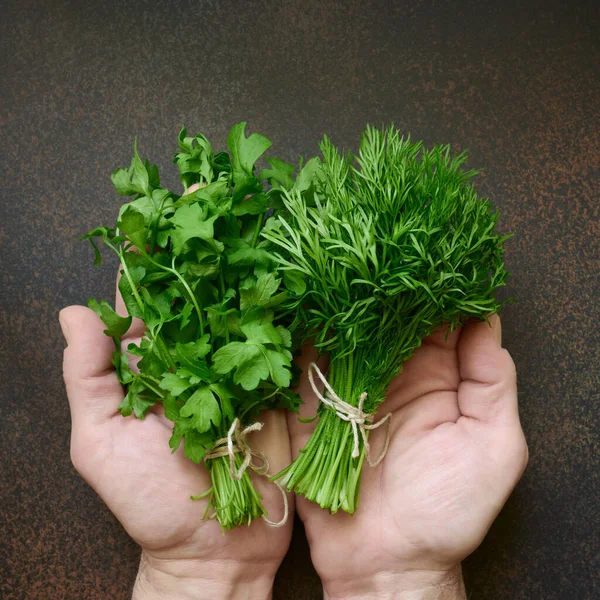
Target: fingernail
{"type": "Point", "coordinates": [497, 327]}
{"type": "Point", "coordinates": [64, 327]}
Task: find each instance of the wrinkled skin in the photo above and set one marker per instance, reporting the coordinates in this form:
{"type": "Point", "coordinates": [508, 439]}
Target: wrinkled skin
{"type": "Point", "coordinates": [457, 450]}
{"type": "Point", "coordinates": [129, 463]}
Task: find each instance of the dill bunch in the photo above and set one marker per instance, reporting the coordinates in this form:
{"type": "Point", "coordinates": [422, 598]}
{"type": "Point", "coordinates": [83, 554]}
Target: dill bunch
{"type": "Point", "coordinates": [390, 243]}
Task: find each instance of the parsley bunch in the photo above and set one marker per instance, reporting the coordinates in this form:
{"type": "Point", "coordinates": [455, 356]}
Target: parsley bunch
{"type": "Point", "coordinates": [391, 243]}
{"type": "Point", "coordinates": [207, 287]}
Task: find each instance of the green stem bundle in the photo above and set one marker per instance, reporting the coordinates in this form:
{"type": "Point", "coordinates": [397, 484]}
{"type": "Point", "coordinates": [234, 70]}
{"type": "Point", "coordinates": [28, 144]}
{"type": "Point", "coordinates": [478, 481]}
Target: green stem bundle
{"type": "Point", "coordinates": [235, 501]}
{"type": "Point", "coordinates": [326, 472]}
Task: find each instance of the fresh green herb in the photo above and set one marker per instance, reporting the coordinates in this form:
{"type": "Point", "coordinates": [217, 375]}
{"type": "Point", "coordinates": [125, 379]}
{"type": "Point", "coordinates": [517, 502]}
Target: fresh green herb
{"type": "Point", "coordinates": [206, 285]}
{"type": "Point", "coordinates": [386, 246]}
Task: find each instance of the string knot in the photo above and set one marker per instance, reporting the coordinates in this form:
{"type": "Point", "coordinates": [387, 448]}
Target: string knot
{"type": "Point", "coordinates": [355, 415]}
{"type": "Point", "coordinates": [235, 443]}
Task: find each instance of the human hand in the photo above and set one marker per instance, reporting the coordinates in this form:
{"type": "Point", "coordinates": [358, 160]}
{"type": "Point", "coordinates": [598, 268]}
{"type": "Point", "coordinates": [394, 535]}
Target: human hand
{"type": "Point", "coordinates": [456, 452]}
{"type": "Point", "coordinates": [129, 463]}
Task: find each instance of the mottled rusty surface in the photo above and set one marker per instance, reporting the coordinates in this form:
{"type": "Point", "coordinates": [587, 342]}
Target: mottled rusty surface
{"type": "Point", "coordinates": [516, 82]}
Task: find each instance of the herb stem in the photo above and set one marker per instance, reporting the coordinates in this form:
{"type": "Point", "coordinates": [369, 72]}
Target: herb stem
{"type": "Point", "coordinates": [256, 230]}
{"type": "Point", "coordinates": [222, 287]}
{"type": "Point", "coordinates": [276, 300]}
{"type": "Point", "coordinates": [132, 285]}
{"type": "Point", "coordinates": [185, 285]}
{"type": "Point", "coordinates": [164, 351]}
{"type": "Point", "coordinates": [157, 338]}
{"type": "Point", "coordinates": [248, 408]}
{"type": "Point", "coordinates": [349, 378]}
{"type": "Point", "coordinates": [192, 298]}
{"type": "Point", "coordinates": [154, 235]}
{"type": "Point", "coordinates": [151, 387]}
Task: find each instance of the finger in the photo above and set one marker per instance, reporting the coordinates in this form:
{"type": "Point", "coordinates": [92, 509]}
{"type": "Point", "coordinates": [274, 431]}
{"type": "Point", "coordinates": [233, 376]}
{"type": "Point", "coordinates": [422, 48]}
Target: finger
{"type": "Point", "coordinates": [93, 389]}
{"type": "Point", "coordinates": [273, 441]}
{"type": "Point", "coordinates": [432, 368]}
{"type": "Point", "coordinates": [424, 414]}
{"type": "Point", "coordinates": [300, 432]}
{"type": "Point", "coordinates": [488, 388]}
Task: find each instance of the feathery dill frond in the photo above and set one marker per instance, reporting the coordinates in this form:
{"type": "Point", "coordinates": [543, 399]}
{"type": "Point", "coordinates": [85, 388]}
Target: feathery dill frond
{"type": "Point", "coordinates": [391, 242]}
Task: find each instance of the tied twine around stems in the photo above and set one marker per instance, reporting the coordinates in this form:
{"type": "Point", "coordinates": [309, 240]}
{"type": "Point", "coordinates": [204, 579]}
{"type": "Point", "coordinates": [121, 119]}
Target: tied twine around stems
{"type": "Point", "coordinates": [358, 419]}
{"type": "Point", "coordinates": [236, 442]}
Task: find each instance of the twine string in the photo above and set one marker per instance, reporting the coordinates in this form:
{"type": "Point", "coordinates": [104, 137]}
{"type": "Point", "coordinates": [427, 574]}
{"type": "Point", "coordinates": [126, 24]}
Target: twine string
{"type": "Point", "coordinates": [360, 421]}
{"type": "Point", "coordinates": [235, 443]}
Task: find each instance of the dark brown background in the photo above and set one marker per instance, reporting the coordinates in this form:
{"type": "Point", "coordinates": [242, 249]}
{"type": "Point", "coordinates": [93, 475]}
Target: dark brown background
{"type": "Point", "coordinates": [515, 81]}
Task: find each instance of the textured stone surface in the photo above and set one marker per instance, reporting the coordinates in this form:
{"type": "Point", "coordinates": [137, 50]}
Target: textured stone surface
{"type": "Point", "coordinates": [516, 82]}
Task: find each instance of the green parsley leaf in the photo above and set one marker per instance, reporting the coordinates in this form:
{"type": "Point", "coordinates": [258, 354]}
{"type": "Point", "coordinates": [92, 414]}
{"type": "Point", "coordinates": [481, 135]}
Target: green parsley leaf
{"type": "Point", "coordinates": [245, 255]}
{"type": "Point", "coordinates": [174, 384]}
{"type": "Point", "coordinates": [294, 282]}
{"type": "Point", "coordinates": [261, 333]}
{"type": "Point", "coordinates": [121, 364]}
{"type": "Point", "coordinates": [134, 402]}
{"type": "Point", "coordinates": [189, 356]}
{"type": "Point", "coordinates": [139, 174]}
{"type": "Point", "coordinates": [278, 367]}
{"type": "Point", "coordinates": [260, 293]}
{"type": "Point", "coordinates": [196, 444]}
{"type": "Point", "coordinates": [133, 225]}
{"type": "Point", "coordinates": [226, 399]}
{"type": "Point", "coordinates": [138, 179]}
{"type": "Point", "coordinates": [245, 151]}
{"type": "Point", "coordinates": [122, 181]}
{"type": "Point", "coordinates": [253, 369]}
{"type": "Point", "coordinates": [190, 221]}
{"type": "Point", "coordinates": [305, 182]}
{"type": "Point", "coordinates": [153, 360]}
{"type": "Point", "coordinates": [230, 356]}
{"type": "Point", "coordinates": [117, 326]}
{"type": "Point", "coordinates": [279, 173]}
{"type": "Point", "coordinates": [185, 314]}
{"type": "Point", "coordinates": [108, 237]}
{"type": "Point", "coordinates": [203, 408]}
{"type": "Point", "coordinates": [246, 359]}
{"type": "Point", "coordinates": [255, 205]}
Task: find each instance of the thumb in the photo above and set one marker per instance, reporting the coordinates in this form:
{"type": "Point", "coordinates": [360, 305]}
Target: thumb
{"type": "Point", "coordinates": [300, 432]}
{"type": "Point", "coordinates": [93, 389]}
{"type": "Point", "coordinates": [488, 388]}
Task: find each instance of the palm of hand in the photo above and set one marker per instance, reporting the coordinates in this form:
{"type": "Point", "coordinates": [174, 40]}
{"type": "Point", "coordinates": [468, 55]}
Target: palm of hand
{"type": "Point", "coordinates": [129, 463]}
{"type": "Point", "coordinates": [456, 452]}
